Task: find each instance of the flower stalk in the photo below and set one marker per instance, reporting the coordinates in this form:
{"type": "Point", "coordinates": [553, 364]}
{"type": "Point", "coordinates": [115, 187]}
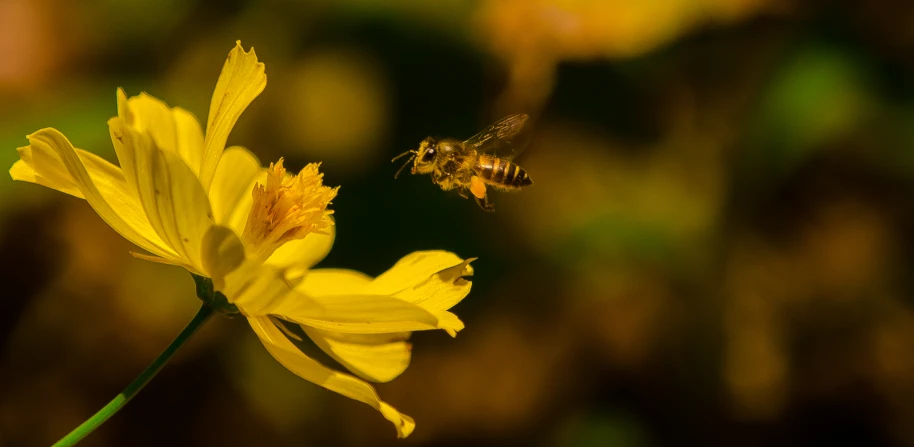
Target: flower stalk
{"type": "Point", "coordinates": [134, 387]}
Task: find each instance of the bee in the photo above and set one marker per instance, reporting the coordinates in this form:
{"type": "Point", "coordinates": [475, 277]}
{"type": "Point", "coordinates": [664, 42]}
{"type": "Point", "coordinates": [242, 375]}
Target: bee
{"type": "Point", "coordinates": [469, 166]}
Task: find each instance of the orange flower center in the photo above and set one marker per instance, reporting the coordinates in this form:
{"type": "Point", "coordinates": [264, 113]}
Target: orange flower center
{"type": "Point", "coordinates": [288, 207]}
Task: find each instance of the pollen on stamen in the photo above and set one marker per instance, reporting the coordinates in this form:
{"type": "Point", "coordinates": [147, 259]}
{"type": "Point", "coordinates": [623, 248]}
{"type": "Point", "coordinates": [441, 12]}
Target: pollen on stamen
{"type": "Point", "coordinates": [288, 207]}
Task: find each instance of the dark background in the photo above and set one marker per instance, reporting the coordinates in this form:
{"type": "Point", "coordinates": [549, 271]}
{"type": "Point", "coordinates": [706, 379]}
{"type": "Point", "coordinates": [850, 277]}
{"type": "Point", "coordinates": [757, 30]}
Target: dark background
{"type": "Point", "coordinates": [716, 249]}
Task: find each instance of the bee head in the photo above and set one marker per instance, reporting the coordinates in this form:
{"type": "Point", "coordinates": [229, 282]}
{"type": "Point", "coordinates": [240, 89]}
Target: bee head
{"type": "Point", "coordinates": [424, 162]}
{"type": "Point", "coordinates": [423, 159]}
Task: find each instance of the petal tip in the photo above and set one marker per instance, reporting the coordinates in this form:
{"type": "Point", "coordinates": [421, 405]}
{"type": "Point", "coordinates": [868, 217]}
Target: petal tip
{"type": "Point", "coordinates": [21, 172]}
{"type": "Point", "coordinates": [122, 109]}
{"type": "Point", "coordinates": [42, 132]}
{"type": "Point", "coordinates": [403, 423]}
{"type": "Point", "coordinates": [240, 47]}
{"type": "Point", "coordinates": [450, 323]}
{"type": "Point", "coordinates": [467, 268]}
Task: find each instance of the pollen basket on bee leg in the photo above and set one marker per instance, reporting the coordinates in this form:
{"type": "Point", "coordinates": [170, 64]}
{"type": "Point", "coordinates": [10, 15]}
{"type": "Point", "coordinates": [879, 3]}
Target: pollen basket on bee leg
{"type": "Point", "coordinates": [477, 187]}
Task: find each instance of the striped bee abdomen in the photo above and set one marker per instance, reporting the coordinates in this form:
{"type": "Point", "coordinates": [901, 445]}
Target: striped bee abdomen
{"type": "Point", "coordinates": [501, 173]}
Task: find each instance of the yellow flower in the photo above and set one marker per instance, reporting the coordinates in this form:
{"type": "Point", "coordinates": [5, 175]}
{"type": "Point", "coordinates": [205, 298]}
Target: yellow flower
{"type": "Point", "coordinates": [183, 197]}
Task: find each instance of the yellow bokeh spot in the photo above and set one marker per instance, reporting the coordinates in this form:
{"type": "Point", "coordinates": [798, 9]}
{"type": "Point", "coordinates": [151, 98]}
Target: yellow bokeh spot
{"type": "Point", "coordinates": [336, 109]}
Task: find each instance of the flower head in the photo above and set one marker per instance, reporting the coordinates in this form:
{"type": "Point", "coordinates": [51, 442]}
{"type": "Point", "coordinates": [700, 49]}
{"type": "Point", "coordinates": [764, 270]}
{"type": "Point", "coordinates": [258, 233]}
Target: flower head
{"type": "Point", "coordinates": [287, 208]}
{"type": "Point", "coordinates": [256, 233]}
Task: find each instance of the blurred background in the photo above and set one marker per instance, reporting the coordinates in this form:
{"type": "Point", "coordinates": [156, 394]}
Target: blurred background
{"type": "Point", "coordinates": [716, 249]}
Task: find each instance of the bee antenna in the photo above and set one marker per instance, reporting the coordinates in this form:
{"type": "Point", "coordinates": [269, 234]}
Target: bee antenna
{"type": "Point", "coordinates": [404, 164]}
{"type": "Point", "coordinates": [413, 151]}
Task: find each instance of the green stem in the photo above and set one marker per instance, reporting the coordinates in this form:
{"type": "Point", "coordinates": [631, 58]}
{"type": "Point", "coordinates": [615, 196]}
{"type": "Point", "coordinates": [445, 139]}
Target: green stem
{"type": "Point", "coordinates": [118, 402]}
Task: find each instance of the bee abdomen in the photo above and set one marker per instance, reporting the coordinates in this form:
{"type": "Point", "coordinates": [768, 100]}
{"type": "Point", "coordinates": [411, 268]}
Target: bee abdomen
{"type": "Point", "coordinates": [520, 177]}
{"type": "Point", "coordinates": [502, 173]}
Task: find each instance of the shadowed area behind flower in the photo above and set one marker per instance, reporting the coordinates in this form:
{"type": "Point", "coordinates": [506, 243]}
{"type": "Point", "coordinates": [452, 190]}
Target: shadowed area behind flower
{"type": "Point", "coordinates": [717, 245]}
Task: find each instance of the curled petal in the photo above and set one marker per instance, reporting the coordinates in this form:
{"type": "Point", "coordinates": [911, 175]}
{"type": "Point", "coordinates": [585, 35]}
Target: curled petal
{"type": "Point", "coordinates": [414, 269]}
{"type": "Point", "coordinates": [434, 280]}
{"type": "Point", "coordinates": [53, 161]}
{"type": "Point", "coordinates": [442, 290]}
{"type": "Point", "coordinates": [242, 79]}
{"type": "Point", "coordinates": [289, 356]}
{"type": "Point", "coordinates": [52, 176]}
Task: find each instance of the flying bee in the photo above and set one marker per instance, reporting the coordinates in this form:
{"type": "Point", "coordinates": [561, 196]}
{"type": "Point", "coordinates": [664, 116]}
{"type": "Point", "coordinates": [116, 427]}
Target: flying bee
{"type": "Point", "coordinates": [483, 159]}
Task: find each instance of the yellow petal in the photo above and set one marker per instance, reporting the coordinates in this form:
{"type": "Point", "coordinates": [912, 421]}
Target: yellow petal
{"type": "Point", "coordinates": [125, 152]}
{"type": "Point", "coordinates": [431, 279]}
{"type": "Point", "coordinates": [442, 290]}
{"type": "Point", "coordinates": [289, 356]}
{"type": "Point", "coordinates": [242, 79]}
{"type": "Point", "coordinates": [189, 138]}
{"type": "Point", "coordinates": [334, 281]}
{"type": "Point", "coordinates": [413, 269]}
{"type": "Point", "coordinates": [161, 260]}
{"type": "Point", "coordinates": [258, 289]}
{"type": "Point", "coordinates": [435, 293]}
{"type": "Point", "coordinates": [234, 179]}
{"type": "Point", "coordinates": [149, 114]}
{"type": "Point", "coordinates": [345, 282]}
{"type": "Point", "coordinates": [172, 197]}
{"type": "Point", "coordinates": [362, 314]}
{"type": "Point", "coordinates": [52, 178]}
{"type": "Point", "coordinates": [123, 111]}
{"type": "Point", "coordinates": [173, 129]}
{"type": "Point", "coordinates": [377, 359]}
{"type": "Point", "coordinates": [99, 182]}
{"type": "Point", "coordinates": [222, 253]}
{"type": "Point", "coordinates": [299, 255]}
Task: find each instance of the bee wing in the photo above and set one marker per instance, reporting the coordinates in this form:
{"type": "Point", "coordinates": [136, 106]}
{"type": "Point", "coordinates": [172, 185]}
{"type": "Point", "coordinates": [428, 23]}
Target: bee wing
{"type": "Point", "coordinates": [506, 138]}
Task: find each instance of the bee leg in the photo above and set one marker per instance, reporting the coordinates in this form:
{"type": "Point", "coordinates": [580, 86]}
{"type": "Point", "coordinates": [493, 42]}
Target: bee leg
{"type": "Point", "coordinates": [478, 188]}
{"type": "Point", "coordinates": [485, 204]}
{"type": "Point", "coordinates": [438, 178]}
{"type": "Point", "coordinates": [444, 181]}
{"type": "Point", "coordinates": [462, 192]}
